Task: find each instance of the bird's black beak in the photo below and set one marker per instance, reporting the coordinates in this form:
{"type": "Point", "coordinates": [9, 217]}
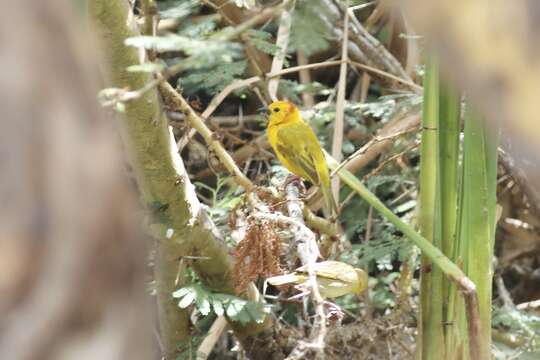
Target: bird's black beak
{"type": "Point", "coordinates": [263, 110]}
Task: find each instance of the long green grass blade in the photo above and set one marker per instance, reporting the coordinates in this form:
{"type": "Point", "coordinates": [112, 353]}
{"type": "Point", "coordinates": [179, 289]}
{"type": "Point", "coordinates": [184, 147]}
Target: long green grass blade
{"type": "Point", "coordinates": [449, 268]}
{"type": "Point", "coordinates": [478, 215]}
{"type": "Point", "coordinates": [430, 339]}
{"type": "Point", "coordinates": [449, 131]}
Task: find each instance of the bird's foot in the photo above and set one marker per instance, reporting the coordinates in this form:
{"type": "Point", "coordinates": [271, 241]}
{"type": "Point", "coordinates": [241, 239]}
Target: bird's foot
{"type": "Point", "coordinates": [293, 179]}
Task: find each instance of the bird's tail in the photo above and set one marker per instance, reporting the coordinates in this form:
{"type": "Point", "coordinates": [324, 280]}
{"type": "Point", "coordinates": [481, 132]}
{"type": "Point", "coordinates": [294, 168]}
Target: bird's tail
{"type": "Point", "coordinates": [329, 201]}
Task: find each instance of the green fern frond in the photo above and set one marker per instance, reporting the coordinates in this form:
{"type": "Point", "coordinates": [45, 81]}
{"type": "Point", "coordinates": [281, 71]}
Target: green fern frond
{"type": "Point", "coordinates": [207, 302]}
{"type": "Point", "coordinates": [292, 89]}
{"type": "Point", "coordinates": [176, 9]}
{"type": "Point", "coordinates": [212, 80]}
{"type": "Point", "coordinates": [262, 41]}
{"type": "Point", "coordinates": [198, 29]}
{"type": "Point", "coordinates": [309, 33]}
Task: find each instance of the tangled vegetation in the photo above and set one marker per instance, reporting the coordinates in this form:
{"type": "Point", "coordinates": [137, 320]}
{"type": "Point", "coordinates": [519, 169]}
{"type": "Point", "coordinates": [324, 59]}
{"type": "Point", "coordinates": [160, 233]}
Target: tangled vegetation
{"type": "Point", "coordinates": [227, 59]}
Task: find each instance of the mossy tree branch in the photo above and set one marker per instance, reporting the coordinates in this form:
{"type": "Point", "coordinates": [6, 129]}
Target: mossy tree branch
{"type": "Point", "coordinates": [183, 228]}
{"type": "Point", "coordinates": [145, 135]}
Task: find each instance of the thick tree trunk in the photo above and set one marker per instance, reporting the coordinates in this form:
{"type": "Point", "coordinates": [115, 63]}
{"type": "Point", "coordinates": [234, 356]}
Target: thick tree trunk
{"type": "Point", "coordinates": [178, 221]}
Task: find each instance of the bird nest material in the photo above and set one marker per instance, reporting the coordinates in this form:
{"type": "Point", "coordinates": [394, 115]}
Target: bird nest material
{"type": "Point", "coordinates": [257, 254]}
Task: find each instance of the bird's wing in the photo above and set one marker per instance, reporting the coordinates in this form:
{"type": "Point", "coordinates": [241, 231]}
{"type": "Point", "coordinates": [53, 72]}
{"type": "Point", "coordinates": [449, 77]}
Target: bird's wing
{"type": "Point", "coordinates": [298, 144]}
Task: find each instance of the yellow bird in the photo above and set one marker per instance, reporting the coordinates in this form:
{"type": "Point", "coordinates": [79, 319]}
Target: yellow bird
{"type": "Point", "coordinates": [298, 148]}
{"type": "Point", "coordinates": [334, 278]}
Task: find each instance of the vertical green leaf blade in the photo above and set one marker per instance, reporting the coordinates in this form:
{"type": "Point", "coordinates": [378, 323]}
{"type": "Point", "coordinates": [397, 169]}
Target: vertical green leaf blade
{"type": "Point", "coordinates": [431, 335]}
{"type": "Point", "coordinates": [478, 215]}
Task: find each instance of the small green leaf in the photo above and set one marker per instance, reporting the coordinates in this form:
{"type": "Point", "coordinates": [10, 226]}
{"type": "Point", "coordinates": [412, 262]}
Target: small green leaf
{"type": "Point", "coordinates": [179, 9]}
{"type": "Point", "coordinates": [187, 299]}
{"type": "Point", "coordinates": [234, 308]}
{"type": "Point", "coordinates": [203, 305]}
{"type": "Point", "coordinates": [255, 311]}
{"type": "Point", "coordinates": [181, 292]}
{"type": "Point", "coordinates": [406, 206]}
{"type": "Point", "coordinates": [218, 307]}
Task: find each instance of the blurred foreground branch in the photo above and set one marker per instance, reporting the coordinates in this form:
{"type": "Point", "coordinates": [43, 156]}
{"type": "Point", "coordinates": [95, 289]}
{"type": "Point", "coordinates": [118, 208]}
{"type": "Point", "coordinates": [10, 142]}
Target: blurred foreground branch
{"type": "Point", "coordinates": [490, 49]}
{"type": "Point", "coordinates": [71, 255]}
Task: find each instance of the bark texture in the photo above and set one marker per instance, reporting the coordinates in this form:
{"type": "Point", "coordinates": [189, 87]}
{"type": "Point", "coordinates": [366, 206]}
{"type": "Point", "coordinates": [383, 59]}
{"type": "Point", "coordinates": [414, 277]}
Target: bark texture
{"type": "Point", "coordinates": [177, 219]}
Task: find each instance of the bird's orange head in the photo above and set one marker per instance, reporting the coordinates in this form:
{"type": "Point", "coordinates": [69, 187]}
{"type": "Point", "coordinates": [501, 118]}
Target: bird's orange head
{"type": "Point", "coordinates": [280, 112]}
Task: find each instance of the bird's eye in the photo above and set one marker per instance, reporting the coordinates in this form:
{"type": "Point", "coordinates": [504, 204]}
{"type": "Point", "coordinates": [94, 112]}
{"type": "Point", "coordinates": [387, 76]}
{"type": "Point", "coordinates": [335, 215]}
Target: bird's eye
{"type": "Point", "coordinates": [276, 110]}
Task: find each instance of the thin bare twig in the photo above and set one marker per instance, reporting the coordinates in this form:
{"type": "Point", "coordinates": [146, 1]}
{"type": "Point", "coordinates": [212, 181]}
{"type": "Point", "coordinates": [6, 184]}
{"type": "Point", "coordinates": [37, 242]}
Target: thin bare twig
{"type": "Point", "coordinates": [417, 88]}
{"type": "Point", "coordinates": [238, 84]}
{"type": "Point", "coordinates": [337, 139]}
{"type": "Point", "coordinates": [363, 47]}
{"type": "Point", "coordinates": [504, 294]}
{"type": "Point", "coordinates": [211, 338]}
{"type": "Point", "coordinates": [282, 42]}
{"type": "Point", "coordinates": [173, 97]}
{"type": "Point", "coordinates": [305, 78]}
{"type": "Point", "coordinates": [222, 36]}
{"type": "Point", "coordinates": [366, 147]}
{"type": "Point", "coordinates": [371, 150]}
{"type": "Point", "coordinates": [386, 161]}
{"type": "Point", "coordinates": [360, 90]}
{"type": "Point", "coordinates": [367, 236]}
{"type": "Point", "coordinates": [364, 84]}
{"type": "Point", "coordinates": [529, 305]}
{"type": "Point", "coordinates": [150, 17]}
